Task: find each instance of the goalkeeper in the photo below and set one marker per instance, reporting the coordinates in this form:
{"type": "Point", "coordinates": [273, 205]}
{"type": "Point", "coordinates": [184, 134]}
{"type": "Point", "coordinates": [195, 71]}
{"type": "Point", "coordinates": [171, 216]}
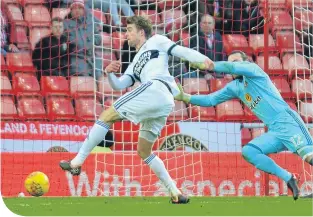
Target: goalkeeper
{"type": "Point", "coordinates": [253, 86]}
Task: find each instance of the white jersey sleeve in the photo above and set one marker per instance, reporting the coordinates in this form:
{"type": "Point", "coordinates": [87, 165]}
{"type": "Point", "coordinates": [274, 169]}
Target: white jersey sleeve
{"type": "Point", "coordinates": [130, 72]}
{"type": "Point", "coordinates": [165, 44]}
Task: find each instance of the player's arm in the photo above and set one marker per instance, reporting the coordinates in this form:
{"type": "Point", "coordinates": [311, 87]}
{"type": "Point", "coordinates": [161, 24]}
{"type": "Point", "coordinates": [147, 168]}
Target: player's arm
{"type": "Point", "coordinates": [222, 95]}
{"type": "Point", "coordinates": [118, 83]}
{"type": "Point", "coordinates": [184, 53]}
{"type": "Point", "coordinates": [244, 68]}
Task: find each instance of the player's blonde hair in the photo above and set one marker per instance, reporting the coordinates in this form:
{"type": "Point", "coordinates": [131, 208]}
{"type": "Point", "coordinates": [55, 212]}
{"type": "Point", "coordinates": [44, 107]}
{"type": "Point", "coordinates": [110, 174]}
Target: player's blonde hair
{"type": "Point", "coordinates": [141, 23]}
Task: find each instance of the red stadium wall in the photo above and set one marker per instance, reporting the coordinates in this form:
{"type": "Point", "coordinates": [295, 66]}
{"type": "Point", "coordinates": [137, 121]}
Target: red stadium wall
{"type": "Point", "coordinates": [224, 174]}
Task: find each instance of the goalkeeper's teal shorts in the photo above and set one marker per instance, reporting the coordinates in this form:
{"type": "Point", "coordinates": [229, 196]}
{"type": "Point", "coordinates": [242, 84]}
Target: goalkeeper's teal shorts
{"type": "Point", "coordinates": [287, 133]}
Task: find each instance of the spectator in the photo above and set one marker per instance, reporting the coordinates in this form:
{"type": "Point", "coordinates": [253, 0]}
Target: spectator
{"type": "Point", "coordinates": [222, 11]}
{"type": "Point", "coordinates": [51, 53]}
{"type": "Point", "coordinates": [247, 17]}
{"type": "Point", "coordinates": [210, 41]}
{"type": "Point", "coordinates": [79, 30]}
{"type": "Point", "coordinates": [5, 28]}
{"type": "Point", "coordinates": [114, 6]}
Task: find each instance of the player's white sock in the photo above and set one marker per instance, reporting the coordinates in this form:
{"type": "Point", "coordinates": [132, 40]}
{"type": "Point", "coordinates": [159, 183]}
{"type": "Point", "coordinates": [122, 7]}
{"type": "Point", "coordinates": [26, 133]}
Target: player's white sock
{"type": "Point", "coordinates": [95, 136]}
{"type": "Point", "coordinates": [158, 167]}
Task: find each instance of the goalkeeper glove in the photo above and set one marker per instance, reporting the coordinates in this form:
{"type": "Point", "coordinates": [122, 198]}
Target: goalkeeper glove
{"type": "Point", "coordinates": [182, 96]}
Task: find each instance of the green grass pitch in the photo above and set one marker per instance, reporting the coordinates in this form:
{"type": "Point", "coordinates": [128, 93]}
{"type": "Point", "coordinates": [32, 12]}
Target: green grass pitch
{"type": "Point", "coordinates": [159, 206]}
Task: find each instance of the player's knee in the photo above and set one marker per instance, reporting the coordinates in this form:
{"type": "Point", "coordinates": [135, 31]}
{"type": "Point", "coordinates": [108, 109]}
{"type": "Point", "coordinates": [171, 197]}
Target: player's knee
{"type": "Point", "coordinates": [249, 151]}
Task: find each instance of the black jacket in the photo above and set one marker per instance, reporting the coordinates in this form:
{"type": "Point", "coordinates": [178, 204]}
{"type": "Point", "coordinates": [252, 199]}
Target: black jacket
{"type": "Point", "coordinates": [51, 55]}
{"type": "Point", "coordinates": [215, 53]}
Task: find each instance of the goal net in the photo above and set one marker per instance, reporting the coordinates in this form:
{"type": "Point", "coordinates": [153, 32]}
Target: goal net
{"type": "Point", "coordinates": [47, 108]}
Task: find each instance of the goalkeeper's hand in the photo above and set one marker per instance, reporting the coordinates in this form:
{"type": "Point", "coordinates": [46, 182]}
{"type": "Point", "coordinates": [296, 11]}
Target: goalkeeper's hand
{"type": "Point", "coordinates": [182, 96]}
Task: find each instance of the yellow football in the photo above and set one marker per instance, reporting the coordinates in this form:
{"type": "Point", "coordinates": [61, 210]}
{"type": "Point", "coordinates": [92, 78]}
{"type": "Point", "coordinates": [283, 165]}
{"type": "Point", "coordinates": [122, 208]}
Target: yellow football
{"type": "Point", "coordinates": [37, 184]}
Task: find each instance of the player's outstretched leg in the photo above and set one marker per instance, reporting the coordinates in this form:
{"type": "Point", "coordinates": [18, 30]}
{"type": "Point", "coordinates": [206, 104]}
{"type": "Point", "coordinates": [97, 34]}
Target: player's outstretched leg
{"type": "Point", "coordinates": [95, 136]}
{"type": "Point", "coordinates": [254, 155]}
{"type": "Point", "coordinates": [146, 141]}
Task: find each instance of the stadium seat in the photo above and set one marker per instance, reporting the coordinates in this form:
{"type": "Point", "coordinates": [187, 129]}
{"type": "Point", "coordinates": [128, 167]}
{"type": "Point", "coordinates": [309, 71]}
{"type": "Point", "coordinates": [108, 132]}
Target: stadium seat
{"type": "Point", "coordinates": [233, 42]}
{"type": "Point", "coordinates": [32, 2]}
{"type": "Point", "coordinates": [256, 41]}
{"type": "Point", "coordinates": [37, 15]}
{"type": "Point", "coordinates": [283, 87]}
{"type": "Point", "coordinates": [3, 64]}
{"type": "Point", "coordinates": [20, 62]}
{"type": "Point", "coordinates": [31, 108]}
{"type": "Point", "coordinates": [54, 85]}
{"type": "Point", "coordinates": [245, 136]}
{"type": "Point", "coordinates": [174, 17]}
{"type": "Point", "coordinates": [108, 57]}
{"type": "Point", "coordinates": [179, 113]}
{"type": "Point", "coordinates": [303, 89]}
{"type": "Point", "coordinates": [8, 109]}
{"type": "Point", "coordinates": [285, 42]}
{"type": "Point", "coordinates": [250, 117]}
{"type": "Point", "coordinates": [273, 3]}
{"type": "Point", "coordinates": [217, 84]}
{"type": "Point", "coordinates": [99, 15]}
{"type": "Point", "coordinates": [280, 20]}
{"type": "Point", "coordinates": [36, 34]}
{"type": "Point", "coordinates": [195, 85]}
{"type": "Point", "coordinates": [202, 113]}
{"type": "Point", "coordinates": [303, 19]}
{"type": "Point", "coordinates": [106, 89]}
{"type": "Point", "coordinates": [19, 36]}
{"type": "Point", "coordinates": [169, 4]}
{"type": "Point", "coordinates": [152, 15]}
{"type": "Point", "coordinates": [295, 64]}
{"type": "Point", "coordinates": [82, 85]}
{"type": "Point", "coordinates": [60, 12]}
{"type": "Point", "coordinates": [230, 111]}
{"type": "Point", "coordinates": [15, 15]}
{"type": "Point", "coordinates": [26, 84]}
{"type": "Point", "coordinates": [256, 132]}
{"type": "Point", "coordinates": [292, 105]}
{"type": "Point", "coordinates": [118, 40]}
{"type": "Point", "coordinates": [274, 65]}
{"type": "Point", "coordinates": [299, 3]}
{"type": "Point", "coordinates": [85, 108]}
{"type": "Point", "coordinates": [306, 111]}
{"type": "Point", "coordinates": [60, 108]}
{"type": "Point", "coordinates": [106, 40]}
{"type": "Point", "coordinates": [6, 87]}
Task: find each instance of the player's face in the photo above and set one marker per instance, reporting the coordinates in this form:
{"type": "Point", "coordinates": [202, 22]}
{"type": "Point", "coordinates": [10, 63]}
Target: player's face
{"type": "Point", "coordinates": [132, 35]}
{"type": "Point", "coordinates": [77, 11]}
{"type": "Point", "coordinates": [235, 58]}
{"type": "Point", "coordinates": [207, 24]}
{"type": "Point", "coordinates": [57, 28]}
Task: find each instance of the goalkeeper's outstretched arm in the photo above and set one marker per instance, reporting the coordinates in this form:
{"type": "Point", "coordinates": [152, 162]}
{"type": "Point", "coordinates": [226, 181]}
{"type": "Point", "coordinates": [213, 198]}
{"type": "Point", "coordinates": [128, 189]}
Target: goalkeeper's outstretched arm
{"type": "Point", "coordinates": [222, 95]}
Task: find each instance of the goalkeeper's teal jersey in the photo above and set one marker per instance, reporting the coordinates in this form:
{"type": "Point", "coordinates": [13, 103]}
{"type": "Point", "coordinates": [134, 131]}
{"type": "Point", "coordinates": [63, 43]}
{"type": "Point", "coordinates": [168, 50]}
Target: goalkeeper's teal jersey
{"type": "Point", "coordinates": [254, 88]}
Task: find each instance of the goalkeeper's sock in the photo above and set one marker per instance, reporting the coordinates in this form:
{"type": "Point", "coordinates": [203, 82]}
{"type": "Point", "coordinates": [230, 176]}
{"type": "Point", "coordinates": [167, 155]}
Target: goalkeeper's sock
{"type": "Point", "coordinates": [255, 156]}
{"type": "Point", "coordinates": [158, 167]}
{"type": "Point", "coordinates": [96, 135]}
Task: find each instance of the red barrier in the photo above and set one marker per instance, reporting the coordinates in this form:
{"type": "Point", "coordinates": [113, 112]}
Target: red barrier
{"type": "Point", "coordinates": [121, 174]}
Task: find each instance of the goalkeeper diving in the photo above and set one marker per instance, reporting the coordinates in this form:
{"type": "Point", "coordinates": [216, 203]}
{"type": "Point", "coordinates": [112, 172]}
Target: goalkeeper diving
{"type": "Point", "coordinates": [286, 129]}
